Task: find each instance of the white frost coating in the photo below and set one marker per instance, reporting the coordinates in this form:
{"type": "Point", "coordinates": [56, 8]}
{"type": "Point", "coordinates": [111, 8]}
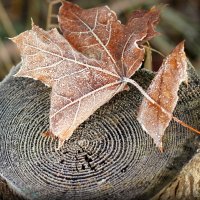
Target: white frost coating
{"type": "Point", "coordinates": [71, 60]}
{"type": "Point", "coordinates": [88, 94]}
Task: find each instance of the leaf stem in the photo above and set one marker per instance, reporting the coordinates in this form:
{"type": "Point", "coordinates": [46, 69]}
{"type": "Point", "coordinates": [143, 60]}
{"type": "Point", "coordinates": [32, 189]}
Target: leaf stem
{"type": "Point", "coordinates": [170, 115]}
{"type": "Point", "coordinates": [154, 50]}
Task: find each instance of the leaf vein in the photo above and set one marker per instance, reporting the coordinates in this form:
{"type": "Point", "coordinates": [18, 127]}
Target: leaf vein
{"type": "Point", "coordinates": [86, 95]}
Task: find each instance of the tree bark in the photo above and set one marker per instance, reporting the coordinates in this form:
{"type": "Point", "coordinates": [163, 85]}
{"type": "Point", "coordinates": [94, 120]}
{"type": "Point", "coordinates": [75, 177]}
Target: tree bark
{"type": "Point", "coordinates": [109, 156]}
{"type": "Point", "coordinates": [186, 185]}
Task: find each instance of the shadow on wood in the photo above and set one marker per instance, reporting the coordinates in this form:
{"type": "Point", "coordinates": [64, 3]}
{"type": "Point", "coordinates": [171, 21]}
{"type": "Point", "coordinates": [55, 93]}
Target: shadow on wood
{"type": "Point", "coordinates": [108, 157]}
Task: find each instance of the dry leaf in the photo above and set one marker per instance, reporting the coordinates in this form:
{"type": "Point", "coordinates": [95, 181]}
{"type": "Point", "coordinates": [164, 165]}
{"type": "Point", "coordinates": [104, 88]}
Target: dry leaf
{"type": "Point", "coordinates": [94, 61]}
{"type": "Point", "coordinates": [97, 33]}
{"type": "Point", "coordinates": [86, 69]}
{"type": "Point", "coordinates": [163, 90]}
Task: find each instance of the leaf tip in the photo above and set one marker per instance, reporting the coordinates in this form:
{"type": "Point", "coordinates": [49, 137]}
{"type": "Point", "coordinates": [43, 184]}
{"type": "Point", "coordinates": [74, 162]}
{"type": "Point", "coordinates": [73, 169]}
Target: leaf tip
{"type": "Point", "coordinates": [13, 39]}
{"type": "Point", "coordinates": [32, 22]}
{"type": "Point", "coordinates": [48, 134]}
{"type": "Point", "coordinates": [60, 143]}
{"type": "Point", "coordinates": [160, 147]}
{"type": "Point", "coordinates": [180, 48]}
{"type": "Point", "coordinates": [181, 45]}
{"type": "Point", "coordinates": [154, 9]}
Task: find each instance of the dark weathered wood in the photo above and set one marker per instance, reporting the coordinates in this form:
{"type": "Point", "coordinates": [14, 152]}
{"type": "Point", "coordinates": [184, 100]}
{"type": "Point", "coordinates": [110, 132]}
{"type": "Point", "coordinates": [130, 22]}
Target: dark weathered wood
{"type": "Point", "coordinates": [7, 193]}
{"type": "Point", "coordinates": [108, 157]}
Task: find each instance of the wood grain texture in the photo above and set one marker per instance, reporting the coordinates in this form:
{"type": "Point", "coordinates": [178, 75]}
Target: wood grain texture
{"type": "Point", "coordinates": [108, 157]}
{"type": "Point", "coordinates": [186, 185]}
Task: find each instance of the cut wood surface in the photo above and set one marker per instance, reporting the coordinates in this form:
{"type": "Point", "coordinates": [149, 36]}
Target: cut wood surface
{"type": "Point", "coordinates": [108, 157]}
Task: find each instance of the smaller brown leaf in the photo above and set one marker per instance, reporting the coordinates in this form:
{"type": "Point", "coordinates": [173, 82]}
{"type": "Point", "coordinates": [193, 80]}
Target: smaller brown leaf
{"type": "Point", "coordinates": [155, 117]}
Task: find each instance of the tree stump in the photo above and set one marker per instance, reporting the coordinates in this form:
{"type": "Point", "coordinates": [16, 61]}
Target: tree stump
{"type": "Point", "coordinates": [109, 156]}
